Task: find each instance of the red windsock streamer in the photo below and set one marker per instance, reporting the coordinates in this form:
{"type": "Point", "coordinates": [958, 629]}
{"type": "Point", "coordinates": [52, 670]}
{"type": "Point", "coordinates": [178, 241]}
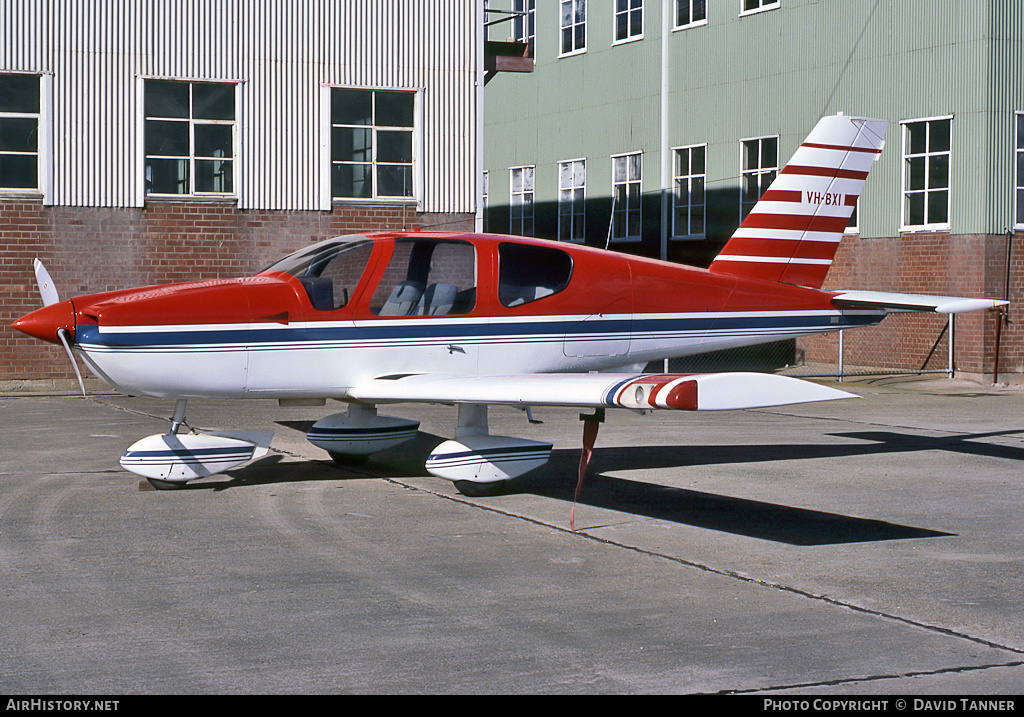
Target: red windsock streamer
{"type": "Point", "coordinates": [590, 426]}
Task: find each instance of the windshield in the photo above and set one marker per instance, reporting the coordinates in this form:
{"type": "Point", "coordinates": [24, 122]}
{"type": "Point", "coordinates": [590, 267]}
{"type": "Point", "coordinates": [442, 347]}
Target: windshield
{"type": "Point", "coordinates": [329, 271]}
{"type": "Point", "coordinates": [311, 260]}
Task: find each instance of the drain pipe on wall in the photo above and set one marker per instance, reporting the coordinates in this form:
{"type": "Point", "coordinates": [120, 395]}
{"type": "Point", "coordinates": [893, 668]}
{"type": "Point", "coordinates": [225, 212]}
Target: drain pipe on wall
{"type": "Point", "coordinates": [1002, 312]}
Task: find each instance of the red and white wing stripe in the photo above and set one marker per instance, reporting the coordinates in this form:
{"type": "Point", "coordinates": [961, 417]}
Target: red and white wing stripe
{"type": "Point", "coordinates": [792, 234]}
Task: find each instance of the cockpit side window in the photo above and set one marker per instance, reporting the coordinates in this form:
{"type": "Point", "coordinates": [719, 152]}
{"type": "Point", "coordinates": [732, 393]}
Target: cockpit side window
{"type": "Point", "coordinates": [427, 278]}
{"type": "Point", "coordinates": [527, 273]}
{"type": "Point", "coordinates": [329, 271]}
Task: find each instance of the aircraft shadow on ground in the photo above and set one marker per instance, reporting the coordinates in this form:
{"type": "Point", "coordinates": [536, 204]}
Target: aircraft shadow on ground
{"type": "Point", "coordinates": [728, 514]}
{"type": "Point", "coordinates": [766, 521]}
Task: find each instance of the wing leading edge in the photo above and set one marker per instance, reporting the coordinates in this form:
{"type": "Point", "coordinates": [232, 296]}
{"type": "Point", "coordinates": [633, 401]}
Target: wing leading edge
{"type": "Point", "coordinates": [689, 392]}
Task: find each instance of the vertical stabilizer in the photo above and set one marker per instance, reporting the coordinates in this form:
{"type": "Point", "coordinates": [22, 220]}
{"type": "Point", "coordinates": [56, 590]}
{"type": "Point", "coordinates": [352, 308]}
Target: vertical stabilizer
{"type": "Point", "coordinates": [792, 233]}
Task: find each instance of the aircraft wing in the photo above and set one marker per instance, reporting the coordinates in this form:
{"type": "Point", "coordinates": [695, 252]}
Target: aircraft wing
{"type": "Point", "coordinates": [912, 302]}
{"type": "Point", "coordinates": [691, 392]}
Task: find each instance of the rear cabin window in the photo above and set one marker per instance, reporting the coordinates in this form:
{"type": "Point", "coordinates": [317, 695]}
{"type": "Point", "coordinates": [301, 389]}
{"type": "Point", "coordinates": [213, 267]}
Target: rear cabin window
{"type": "Point", "coordinates": [527, 273]}
{"type": "Point", "coordinates": [427, 278]}
{"type": "Point", "coordinates": [329, 271]}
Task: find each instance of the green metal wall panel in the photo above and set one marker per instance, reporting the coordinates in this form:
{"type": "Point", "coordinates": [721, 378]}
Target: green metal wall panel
{"type": "Point", "coordinates": [771, 73]}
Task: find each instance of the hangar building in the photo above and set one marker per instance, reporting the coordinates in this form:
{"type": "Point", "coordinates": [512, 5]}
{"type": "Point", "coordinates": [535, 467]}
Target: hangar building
{"type": "Point", "coordinates": [153, 141]}
{"type": "Point", "coordinates": [652, 126]}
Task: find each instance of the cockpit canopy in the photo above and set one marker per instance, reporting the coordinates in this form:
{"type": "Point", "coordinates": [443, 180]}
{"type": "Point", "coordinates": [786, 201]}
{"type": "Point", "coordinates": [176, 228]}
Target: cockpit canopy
{"type": "Point", "coordinates": [425, 275]}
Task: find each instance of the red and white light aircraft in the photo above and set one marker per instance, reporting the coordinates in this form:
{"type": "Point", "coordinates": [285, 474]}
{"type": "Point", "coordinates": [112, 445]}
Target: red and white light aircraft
{"type": "Point", "coordinates": [473, 320]}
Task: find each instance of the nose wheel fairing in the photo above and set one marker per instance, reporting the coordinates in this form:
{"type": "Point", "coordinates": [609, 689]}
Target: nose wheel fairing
{"type": "Point", "coordinates": [173, 458]}
{"type": "Point", "coordinates": [170, 460]}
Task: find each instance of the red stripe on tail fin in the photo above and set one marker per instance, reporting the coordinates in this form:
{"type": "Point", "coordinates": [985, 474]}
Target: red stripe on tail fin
{"type": "Point", "coordinates": [792, 233]}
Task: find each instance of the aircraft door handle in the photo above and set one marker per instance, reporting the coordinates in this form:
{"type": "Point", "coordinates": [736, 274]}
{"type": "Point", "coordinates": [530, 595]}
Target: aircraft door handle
{"type": "Point", "coordinates": [452, 348]}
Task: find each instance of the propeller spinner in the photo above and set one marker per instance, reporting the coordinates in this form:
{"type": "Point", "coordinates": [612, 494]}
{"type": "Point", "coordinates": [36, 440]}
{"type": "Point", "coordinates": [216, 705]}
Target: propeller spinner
{"type": "Point", "coordinates": [55, 322]}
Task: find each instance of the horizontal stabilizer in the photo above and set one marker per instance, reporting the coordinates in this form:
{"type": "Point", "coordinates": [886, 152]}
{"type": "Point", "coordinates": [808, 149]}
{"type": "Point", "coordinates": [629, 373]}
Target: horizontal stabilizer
{"type": "Point", "coordinates": [912, 302]}
{"type": "Point", "coordinates": [690, 392]}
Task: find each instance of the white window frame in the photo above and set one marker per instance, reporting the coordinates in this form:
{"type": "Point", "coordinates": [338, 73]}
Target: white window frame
{"type": "Point", "coordinates": [617, 208]}
{"type": "Point", "coordinates": [523, 197]}
{"type": "Point", "coordinates": [44, 147]}
{"type": "Point", "coordinates": [524, 27]}
{"type": "Point", "coordinates": [760, 171]}
{"type": "Point", "coordinates": [193, 157]}
{"type": "Point", "coordinates": [562, 27]}
{"type": "Point", "coordinates": [692, 23]}
{"type": "Point", "coordinates": [689, 176]}
{"type": "Point", "coordinates": [632, 33]}
{"type": "Point", "coordinates": [375, 197]}
{"type": "Point", "coordinates": [575, 218]}
{"type": "Point", "coordinates": [762, 6]}
{"type": "Point", "coordinates": [1018, 213]}
{"type": "Point", "coordinates": [928, 156]}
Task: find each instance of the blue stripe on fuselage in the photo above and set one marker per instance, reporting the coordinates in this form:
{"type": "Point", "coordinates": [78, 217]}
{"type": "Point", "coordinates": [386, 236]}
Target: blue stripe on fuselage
{"type": "Point", "coordinates": [480, 331]}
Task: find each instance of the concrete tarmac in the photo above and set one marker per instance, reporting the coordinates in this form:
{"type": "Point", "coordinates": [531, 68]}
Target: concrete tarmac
{"type": "Point", "coordinates": [857, 547]}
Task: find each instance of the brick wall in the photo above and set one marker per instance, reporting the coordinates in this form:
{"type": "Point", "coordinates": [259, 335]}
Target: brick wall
{"type": "Point", "coordinates": [88, 250]}
{"type": "Point", "coordinates": [933, 263]}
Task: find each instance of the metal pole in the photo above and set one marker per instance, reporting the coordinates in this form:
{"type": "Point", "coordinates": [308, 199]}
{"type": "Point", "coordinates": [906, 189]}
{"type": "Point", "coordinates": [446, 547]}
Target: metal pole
{"type": "Point", "coordinates": [950, 366]}
{"type": "Point", "coordinates": [666, 159]}
{"type": "Point", "coordinates": [841, 373]}
{"type": "Point", "coordinates": [481, 29]}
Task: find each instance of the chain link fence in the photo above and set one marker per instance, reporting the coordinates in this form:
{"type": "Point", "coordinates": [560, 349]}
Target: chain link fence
{"type": "Point", "coordinates": [904, 343]}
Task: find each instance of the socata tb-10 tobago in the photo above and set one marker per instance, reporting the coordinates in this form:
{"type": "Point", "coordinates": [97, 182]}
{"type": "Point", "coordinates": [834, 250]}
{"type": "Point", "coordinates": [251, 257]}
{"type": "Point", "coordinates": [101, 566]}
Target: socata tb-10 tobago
{"type": "Point", "coordinates": [473, 320]}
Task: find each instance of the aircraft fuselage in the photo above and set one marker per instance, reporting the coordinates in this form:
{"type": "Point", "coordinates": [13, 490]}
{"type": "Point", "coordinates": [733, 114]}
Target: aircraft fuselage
{"type": "Point", "coordinates": [330, 316]}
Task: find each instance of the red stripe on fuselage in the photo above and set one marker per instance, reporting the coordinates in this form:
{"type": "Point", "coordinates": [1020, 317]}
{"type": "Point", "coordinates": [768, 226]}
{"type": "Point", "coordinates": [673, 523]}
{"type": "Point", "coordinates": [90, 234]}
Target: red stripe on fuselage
{"type": "Point", "coordinates": [812, 275]}
{"type": "Point", "coordinates": [809, 275]}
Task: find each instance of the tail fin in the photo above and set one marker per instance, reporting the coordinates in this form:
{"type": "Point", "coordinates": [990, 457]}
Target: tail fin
{"type": "Point", "coordinates": [792, 233]}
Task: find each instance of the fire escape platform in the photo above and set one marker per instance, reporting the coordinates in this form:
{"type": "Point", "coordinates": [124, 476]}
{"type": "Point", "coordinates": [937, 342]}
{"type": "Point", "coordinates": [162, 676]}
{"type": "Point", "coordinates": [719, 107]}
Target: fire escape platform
{"type": "Point", "coordinates": [506, 56]}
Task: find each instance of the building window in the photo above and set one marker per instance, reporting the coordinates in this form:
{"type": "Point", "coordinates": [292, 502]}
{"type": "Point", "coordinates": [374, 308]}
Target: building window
{"type": "Point", "coordinates": [760, 164]}
{"type": "Point", "coordinates": [521, 214]}
{"type": "Point", "coordinates": [574, 26]}
{"type": "Point", "coordinates": [926, 155]}
{"type": "Point", "coordinates": [688, 197]}
{"type": "Point", "coordinates": [691, 12]}
{"type": "Point", "coordinates": [372, 143]}
{"type": "Point", "coordinates": [629, 19]}
{"type": "Point", "coordinates": [627, 172]}
{"type": "Point", "coordinates": [1020, 171]}
{"type": "Point", "coordinates": [19, 132]}
{"type": "Point", "coordinates": [572, 185]}
{"type": "Point", "coordinates": [853, 226]}
{"type": "Point", "coordinates": [751, 6]}
{"type": "Point", "coordinates": [190, 137]}
{"type": "Point", "coordinates": [525, 26]}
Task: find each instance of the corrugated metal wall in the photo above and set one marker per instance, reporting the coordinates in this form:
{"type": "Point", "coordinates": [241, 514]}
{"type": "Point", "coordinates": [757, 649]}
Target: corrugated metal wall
{"type": "Point", "coordinates": [283, 53]}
